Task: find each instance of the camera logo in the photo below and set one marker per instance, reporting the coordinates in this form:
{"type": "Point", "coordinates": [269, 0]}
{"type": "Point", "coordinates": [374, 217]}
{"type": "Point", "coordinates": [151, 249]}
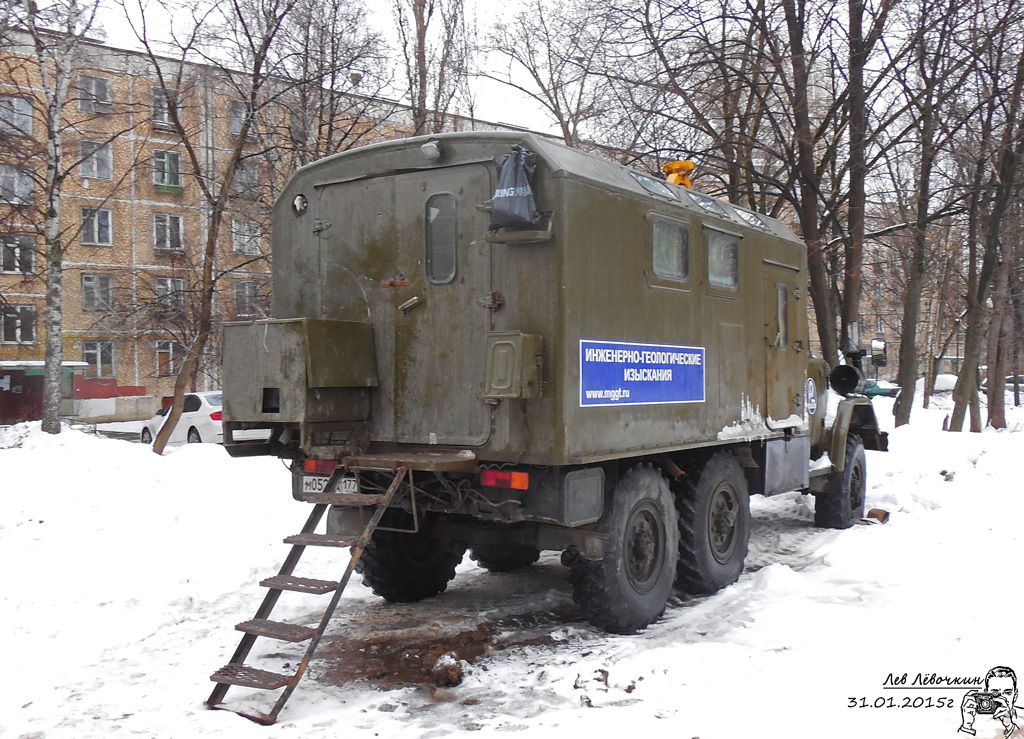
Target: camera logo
{"type": "Point", "coordinates": [996, 702]}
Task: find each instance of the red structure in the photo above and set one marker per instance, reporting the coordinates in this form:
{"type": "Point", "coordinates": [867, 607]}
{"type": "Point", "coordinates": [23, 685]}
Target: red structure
{"type": "Point", "coordinates": [21, 389]}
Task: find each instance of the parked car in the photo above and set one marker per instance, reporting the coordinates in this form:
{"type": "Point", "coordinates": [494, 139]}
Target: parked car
{"type": "Point", "coordinates": [881, 388]}
{"type": "Point", "coordinates": [944, 385]}
{"type": "Point", "coordinates": [200, 420]}
{"type": "Point", "coordinates": [983, 387]}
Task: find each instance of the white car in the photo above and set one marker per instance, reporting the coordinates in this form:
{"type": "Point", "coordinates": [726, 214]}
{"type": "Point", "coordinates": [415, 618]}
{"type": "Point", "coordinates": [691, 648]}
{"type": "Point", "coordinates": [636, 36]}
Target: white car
{"type": "Point", "coordinates": [200, 420]}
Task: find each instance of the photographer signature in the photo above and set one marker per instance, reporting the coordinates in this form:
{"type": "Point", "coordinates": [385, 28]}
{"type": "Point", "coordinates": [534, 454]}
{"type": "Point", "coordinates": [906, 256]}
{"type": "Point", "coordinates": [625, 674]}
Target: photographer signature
{"type": "Point", "coordinates": [997, 701]}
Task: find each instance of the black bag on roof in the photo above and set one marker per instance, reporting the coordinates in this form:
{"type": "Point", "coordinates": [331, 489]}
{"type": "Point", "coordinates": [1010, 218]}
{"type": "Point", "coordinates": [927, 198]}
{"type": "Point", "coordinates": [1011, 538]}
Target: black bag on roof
{"type": "Point", "coordinates": [513, 205]}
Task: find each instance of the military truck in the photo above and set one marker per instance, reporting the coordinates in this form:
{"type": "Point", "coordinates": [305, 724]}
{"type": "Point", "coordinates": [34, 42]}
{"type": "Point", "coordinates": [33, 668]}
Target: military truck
{"type": "Point", "coordinates": [612, 381]}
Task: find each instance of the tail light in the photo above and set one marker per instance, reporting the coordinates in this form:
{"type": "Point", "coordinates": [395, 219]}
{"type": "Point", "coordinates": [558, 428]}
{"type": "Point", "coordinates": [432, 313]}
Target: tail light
{"type": "Point", "coordinates": [503, 479]}
{"type": "Point", "coordinates": [319, 466]}
{"type": "Point", "coordinates": [216, 415]}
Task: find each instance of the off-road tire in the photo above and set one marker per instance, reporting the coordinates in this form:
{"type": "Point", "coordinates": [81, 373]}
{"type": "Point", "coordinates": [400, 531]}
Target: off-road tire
{"type": "Point", "coordinates": [628, 588]}
{"type": "Point", "coordinates": [841, 503]}
{"type": "Point", "coordinates": [714, 525]}
{"type": "Point", "coordinates": [504, 558]}
{"type": "Point", "coordinates": [404, 568]}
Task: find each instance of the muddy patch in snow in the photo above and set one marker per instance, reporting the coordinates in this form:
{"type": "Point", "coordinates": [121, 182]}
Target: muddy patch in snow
{"type": "Point", "coordinates": [407, 657]}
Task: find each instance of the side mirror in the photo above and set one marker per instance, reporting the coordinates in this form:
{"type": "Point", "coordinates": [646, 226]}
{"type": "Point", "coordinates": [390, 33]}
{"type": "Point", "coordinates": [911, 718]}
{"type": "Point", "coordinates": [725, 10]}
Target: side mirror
{"type": "Point", "coordinates": [879, 357]}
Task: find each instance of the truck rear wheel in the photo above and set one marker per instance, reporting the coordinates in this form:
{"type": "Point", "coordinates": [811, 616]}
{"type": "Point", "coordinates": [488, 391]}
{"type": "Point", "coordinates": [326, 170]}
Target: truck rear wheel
{"type": "Point", "coordinates": [505, 558]}
{"type": "Point", "coordinates": [841, 503]}
{"type": "Point", "coordinates": [714, 526]}
{"type": "Point", "coordinates": [628, 588]}
{"type": "Point", "coordinates": [403, 568]}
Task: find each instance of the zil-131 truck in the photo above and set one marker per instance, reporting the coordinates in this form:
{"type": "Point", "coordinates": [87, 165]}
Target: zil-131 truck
{"type": "Point", "coordinates": [611, 380]}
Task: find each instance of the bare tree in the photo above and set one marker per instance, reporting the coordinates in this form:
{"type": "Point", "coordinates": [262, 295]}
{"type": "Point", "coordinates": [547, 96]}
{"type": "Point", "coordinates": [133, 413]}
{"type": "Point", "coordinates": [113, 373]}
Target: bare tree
{"type": "Point", "coordinates": [996, 181]}
{"type": "Point", "coordinates": [557, 45]}
{"type": "Point", "coordinates": [336, 69]}
{"type": "Point", "coordinates": [47, 47]}
{"type": "Point", "coordinates": [437, 54]}
{"type": "Point", "coordinates": [935, 75]}
{"type": "Point", "coordinates": [237, 39]}
{"type": "Point", "coordinates": [274, 90]}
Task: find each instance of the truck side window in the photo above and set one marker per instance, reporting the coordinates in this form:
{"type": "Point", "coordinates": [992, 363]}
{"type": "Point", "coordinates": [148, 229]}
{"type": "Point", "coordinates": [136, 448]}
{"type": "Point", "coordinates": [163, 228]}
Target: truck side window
{"type": "Point", "coordinates": [442, 238]}
{"type": "Point", "coordinates": [782, 316]}
{"type": "Point", "coordinates": [723, 259]}
{"type": "Point", "coordinates": [671, 248]}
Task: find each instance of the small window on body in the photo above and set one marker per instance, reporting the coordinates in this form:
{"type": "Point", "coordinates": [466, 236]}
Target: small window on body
{"type": "Point", "coordinates": [671, 249]}
{"type": "Point", "coordinates": [782, 315]}
{"type": "Point", "coordinates": [723, 259]}
{"type": "Point", "coordinates": [442, 238]}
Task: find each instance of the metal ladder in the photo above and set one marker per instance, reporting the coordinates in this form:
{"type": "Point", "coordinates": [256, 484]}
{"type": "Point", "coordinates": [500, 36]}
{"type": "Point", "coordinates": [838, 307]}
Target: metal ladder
{"type": "Point", "coordinates": [236, 672]}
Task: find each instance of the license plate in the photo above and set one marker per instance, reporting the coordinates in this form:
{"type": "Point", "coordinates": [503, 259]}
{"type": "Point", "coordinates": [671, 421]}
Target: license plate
{"type": "Point", "coordinates": [317, 484]}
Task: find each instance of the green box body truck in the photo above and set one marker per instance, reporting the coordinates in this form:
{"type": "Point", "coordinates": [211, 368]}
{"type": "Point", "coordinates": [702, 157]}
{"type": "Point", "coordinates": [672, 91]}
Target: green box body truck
{"type": "Point", "coordinates": [612, 381]}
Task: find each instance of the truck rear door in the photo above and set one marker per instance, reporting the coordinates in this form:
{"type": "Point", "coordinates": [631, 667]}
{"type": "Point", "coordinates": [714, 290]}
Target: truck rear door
{"type": "Point", "coordinates": [441, 315]}
{"type": "Point", "coordinates": [407, 253]}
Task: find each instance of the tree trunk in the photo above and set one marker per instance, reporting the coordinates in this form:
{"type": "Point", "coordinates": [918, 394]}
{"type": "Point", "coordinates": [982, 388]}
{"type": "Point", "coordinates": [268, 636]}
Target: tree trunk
{"type": "Point", "coordinates": [997, 349]}
{"type": "Point", "coordinates": [54, 356]}
{"type": "Point", "coordinates": [858, 170]}
{"type": "Point", "coordinates": [809, 185]}
{"type": "Point", "coordinates": [907, 376]}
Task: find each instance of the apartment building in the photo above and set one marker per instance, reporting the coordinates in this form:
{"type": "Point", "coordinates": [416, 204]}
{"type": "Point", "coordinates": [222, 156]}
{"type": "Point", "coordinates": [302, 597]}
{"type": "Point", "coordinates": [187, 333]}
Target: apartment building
{"type": "Point", "coordinates": [133, 216]}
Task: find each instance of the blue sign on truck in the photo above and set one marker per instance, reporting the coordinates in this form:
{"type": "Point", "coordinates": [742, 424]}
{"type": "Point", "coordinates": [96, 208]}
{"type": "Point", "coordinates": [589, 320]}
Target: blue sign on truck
{"type": "Point", "coordinates": [627, 373]}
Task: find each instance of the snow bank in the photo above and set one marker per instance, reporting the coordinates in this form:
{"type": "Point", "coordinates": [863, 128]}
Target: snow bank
{"type": "Point", "coordinates": [124, 573]}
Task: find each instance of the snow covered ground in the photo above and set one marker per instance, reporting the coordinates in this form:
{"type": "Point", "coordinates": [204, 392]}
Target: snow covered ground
{"type": "Point", "coordinates": [124, 573]}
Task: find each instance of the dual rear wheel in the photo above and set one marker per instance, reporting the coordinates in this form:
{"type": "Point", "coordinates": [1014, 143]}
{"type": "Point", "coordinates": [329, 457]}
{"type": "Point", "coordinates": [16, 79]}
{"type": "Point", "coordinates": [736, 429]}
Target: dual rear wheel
{"type": "Point", "coordinates": [695, 538]}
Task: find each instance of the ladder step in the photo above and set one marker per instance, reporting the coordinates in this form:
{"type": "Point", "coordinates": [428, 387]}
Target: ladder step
{"type": "Point", "coordinates": [250, 677]}
{"type": "Point", "coordinates": [276, 630]}
{"type": "Point", "coordinates": [321, 540]}
{"type": "Point", "coordinates": [343, 499]}
{"type": "Point", "coordinates": [300, 584]}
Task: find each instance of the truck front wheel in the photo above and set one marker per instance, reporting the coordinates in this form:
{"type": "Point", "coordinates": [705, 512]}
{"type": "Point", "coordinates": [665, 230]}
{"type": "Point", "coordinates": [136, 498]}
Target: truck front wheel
{"type": "Point", "coordinates": [628, 588]}
{"type": "Point", "coordinates": [714, 526]}
{"type": "Point", "coordinates": [841, 504]}
{"type": "Point", "coordinates": [403, 568]}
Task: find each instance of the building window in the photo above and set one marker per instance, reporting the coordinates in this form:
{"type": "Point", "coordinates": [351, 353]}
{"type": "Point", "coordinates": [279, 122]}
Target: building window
{"type": "Point", "coordinates": [99, 355]}
{"type": "Point", "coordinates": [97, 292]}
{"type": "Point", "coordinates": [246, 177]}
{"type": "Point", "coordinates": [168, 230]}
{"type": "Point", "coordinates": [19, 324]}
{"type": "Point", "coordinates": [15, 185]}
{"type": "Point", "coordinates": [168, 354]}
{"type": "Point", "coordinates": [15, 116]}
{"type": "Point", "coordinates": [170, 293]}
{"type": "Point", "coordinates": [19, 253]}
{"type": "Point", "coordinates": [245, 237]}
{"type": "Point", "coordinates": [97, 161]}
{"type": "Point", "coordinates": [442, 238]}
{"type": "Point", "coordinates": [241, 112]}
{"type": "Point", "coordinates": [671, 247]}
{"type": "Point", "coordinates": [247, 301]}
{"type": "Point", "coordinates": [93, 94]}
{"type": "Point", "coordinates": [96, 226]}
{"type": "Point", "coordinates": [723, 259]}
{"type": "Point", "coordinates": [164, 104]}
{"type": "Point", "coordinates": [167, 169]}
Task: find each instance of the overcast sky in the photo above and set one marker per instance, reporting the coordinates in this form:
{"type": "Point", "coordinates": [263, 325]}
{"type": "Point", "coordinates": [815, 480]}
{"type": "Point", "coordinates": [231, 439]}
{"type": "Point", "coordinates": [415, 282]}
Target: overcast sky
{"type": "Point", "coordinates": [495, 102]}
